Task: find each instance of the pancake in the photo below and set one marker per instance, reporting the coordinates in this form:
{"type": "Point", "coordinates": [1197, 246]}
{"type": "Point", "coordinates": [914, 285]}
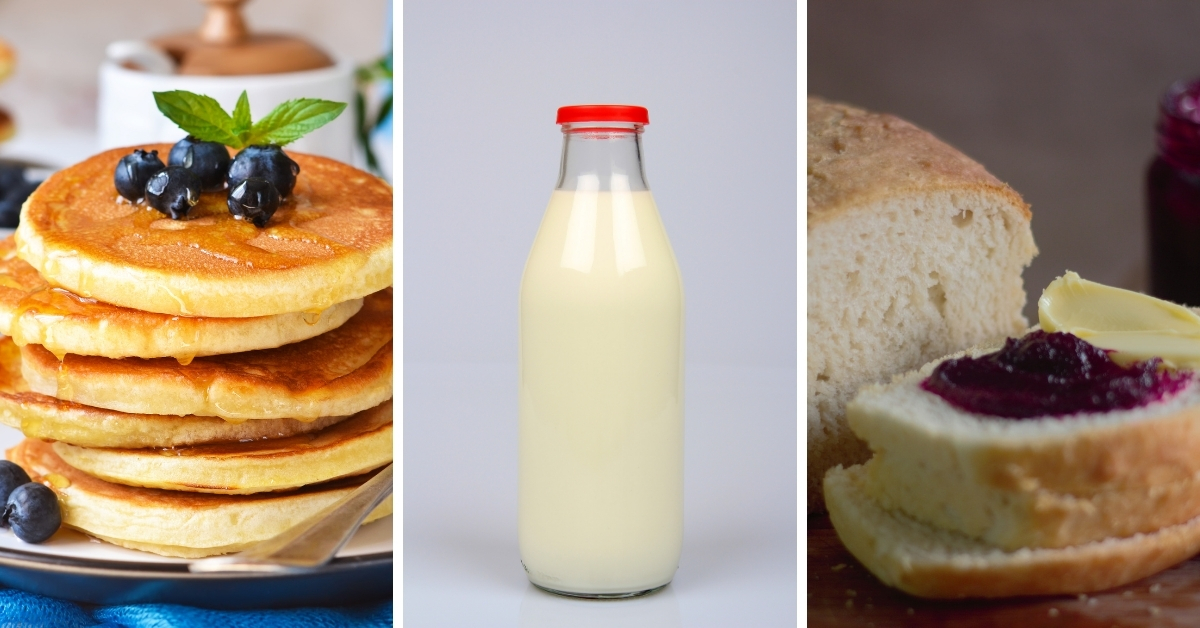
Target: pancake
{"type": "Point", "coordinates": [173, 523]}
{"type": "Point", "coordinates": [330, 242]}
{"type": "Point", "coordinates": [32, 312]}
{"type": "Point", "coordinates": [42, 416]}
{"type": "Point", "coordinates": [338, 373]}
{"type": "Point", "coordinates": [351, 447]}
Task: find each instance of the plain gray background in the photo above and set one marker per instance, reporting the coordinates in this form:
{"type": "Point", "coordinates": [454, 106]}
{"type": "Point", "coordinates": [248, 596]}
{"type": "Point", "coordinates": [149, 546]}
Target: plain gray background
{"type": "Point", "coordinates": [1058, 99]}
{"type": "Point", "coordinates": [482, 81]}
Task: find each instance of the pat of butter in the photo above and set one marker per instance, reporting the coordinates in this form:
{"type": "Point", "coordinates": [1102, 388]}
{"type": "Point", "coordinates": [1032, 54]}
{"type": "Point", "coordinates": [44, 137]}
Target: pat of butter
{"type": "Point", "coordinates": [1135, 326]}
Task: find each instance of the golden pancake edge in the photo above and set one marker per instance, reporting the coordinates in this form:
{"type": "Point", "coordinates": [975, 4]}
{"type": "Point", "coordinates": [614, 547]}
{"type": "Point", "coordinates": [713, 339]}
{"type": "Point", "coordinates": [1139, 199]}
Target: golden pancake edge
{"type": "Point", "coordinates": [175, 523]}
{"type": "Point", "coordinates": [359, 444]}
{"type": "Point", "coordinates": [43, 416]}
{"type": "Point", "coordinates": [338, 373]}
{"type": "Point", "coordinates": [32, 312]}
{"type": "Point", "coordinates": [330, 242]}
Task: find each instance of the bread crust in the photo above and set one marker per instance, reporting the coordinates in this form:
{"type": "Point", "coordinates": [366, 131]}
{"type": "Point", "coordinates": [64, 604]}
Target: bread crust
{"type": "Point", "coordinates": [856, 157]}
{"type": "Point", "coordinates": [923, 561]}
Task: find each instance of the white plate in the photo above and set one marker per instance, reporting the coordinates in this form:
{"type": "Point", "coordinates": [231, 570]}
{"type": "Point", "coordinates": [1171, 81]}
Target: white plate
{"type": "Point", "coordinates": [73, 566]}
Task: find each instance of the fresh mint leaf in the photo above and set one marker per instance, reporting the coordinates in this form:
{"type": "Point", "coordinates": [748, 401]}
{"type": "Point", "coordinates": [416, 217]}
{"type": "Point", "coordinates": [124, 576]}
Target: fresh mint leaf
{"type": "Point", "coordinates": [198, 115]}
{"type": "Point", "coordinates": [202, 117]}
{"type": "Point", "coordinates": [292, 120]}
{"type": "Point", "coordinates": [241, 116]}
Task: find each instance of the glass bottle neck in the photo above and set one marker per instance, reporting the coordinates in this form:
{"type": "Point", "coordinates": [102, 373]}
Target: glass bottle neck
{"type": "Point", "coordinates": [602, 156]}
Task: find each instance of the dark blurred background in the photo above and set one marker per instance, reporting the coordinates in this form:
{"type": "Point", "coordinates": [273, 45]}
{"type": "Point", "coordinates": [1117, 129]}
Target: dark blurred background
{"type": "Point", "coordinates": [1058, 99]}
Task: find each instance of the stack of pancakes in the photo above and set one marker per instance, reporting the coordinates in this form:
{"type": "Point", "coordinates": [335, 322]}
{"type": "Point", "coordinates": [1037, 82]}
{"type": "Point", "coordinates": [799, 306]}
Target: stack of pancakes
{"type": "Point", "coordinates": [193, 387]}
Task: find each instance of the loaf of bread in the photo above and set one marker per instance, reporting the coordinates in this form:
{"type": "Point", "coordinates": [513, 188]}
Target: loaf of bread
{"type": "Point", "coordinates": [1044, 482]}
{"type": "Point", "coordinates": [914, 252]}
{"type": "Point", "coordinates": [927, 561]}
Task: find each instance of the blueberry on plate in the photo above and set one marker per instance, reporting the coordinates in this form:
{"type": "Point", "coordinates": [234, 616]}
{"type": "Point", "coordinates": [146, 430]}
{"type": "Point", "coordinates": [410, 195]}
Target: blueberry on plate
{"type": "Point", "coordinates": [11, 201]}
{"type": "Point", "coordinates": [266, 161]}
{"type": "Point", "coordinates": [134, 170]}
{"type": "Point", "coordinates": [209, 160]}
{"type": "Point", "coordinates": [173, 191]}
{"type": "Point", "coordinates": [254, 199]}
{"type": "Point", "coordinates": [32, 512]}
{"type": "Point", "coordinates": [11, 476]}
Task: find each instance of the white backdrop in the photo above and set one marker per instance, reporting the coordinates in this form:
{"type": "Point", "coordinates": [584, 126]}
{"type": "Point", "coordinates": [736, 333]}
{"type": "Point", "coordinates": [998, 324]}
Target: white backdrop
{"type": "Point", "coordinates": [482, 80]}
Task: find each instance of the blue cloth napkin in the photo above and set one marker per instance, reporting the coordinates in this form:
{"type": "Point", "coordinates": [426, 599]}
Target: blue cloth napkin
{"type": "Point", "coordinates": [27, 610]}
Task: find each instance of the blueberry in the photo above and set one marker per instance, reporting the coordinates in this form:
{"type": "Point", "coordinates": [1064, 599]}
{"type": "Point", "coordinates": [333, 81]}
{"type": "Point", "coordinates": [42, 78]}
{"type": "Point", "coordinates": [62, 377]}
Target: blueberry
{"type": "Point", "coordinates": [11, 476]}
{"type": "Point", "coordinates": [268, 162]}
{"type": "Point", "coordinates": [134, 170]}
{"type": "Point", "coordinates": [32, 512]}
{"type": "Point", "coordinates": [209, 160]}
{"type": "Point", "coordinates": [173, 191]}
{"type": "Point", "coordinates": [254, 199]}
{"type": "Point", "coordinates": [11, 201]}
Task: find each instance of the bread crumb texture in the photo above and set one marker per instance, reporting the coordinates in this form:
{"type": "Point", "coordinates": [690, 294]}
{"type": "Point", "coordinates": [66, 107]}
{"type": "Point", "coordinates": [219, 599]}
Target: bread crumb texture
{"type": "Point", "coordinates": [914, 252]}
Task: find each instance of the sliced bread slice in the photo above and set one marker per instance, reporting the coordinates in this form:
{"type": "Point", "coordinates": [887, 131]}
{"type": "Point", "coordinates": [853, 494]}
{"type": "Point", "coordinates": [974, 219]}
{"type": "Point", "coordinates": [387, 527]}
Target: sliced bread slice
{"type": "Point", "coordinates": [914, 251]}
{"type": "Point", "coordinates": [930, 562]}
{"type": "Point", "coordinates": [1011, 520]}
{"type": "Point", "coordinates": [1042, 482]}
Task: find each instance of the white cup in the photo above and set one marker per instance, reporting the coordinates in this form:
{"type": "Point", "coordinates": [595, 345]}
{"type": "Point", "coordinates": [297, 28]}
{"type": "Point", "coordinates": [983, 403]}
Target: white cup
{"type": "Point", "coordinates": [128, 115]}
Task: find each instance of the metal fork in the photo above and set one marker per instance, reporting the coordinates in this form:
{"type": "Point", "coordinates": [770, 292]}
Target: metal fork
{"type": "Point", "coordinates": [311, 543]}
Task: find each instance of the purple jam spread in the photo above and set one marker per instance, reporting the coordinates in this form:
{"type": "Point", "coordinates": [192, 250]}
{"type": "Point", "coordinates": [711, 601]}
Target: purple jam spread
{"type": "Point", "coordinates": [1050, 374]}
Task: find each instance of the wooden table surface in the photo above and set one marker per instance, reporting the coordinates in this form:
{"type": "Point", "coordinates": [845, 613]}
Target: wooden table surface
{"type": "Point", "coordinates": [841, 592]}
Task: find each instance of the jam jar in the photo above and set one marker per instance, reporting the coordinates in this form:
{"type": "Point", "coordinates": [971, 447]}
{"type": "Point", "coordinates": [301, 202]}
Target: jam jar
{"type": "Point", "coordinates": [1173, 197]}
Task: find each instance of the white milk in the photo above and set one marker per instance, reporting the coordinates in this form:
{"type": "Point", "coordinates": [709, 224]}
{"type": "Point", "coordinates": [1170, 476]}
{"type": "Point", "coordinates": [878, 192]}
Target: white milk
{"type": "Point", "coordinates": [601, 395]}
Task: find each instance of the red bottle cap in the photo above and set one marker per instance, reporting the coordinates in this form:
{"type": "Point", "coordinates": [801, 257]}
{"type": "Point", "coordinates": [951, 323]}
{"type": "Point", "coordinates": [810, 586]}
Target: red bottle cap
{"type": "Point", "coordinates": [603, 113]}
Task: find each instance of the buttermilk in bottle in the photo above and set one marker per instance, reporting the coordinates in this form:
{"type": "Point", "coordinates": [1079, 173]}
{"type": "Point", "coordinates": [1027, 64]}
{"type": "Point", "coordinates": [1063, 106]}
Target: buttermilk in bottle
{"type": "Point", "coordinates": [600, 487]}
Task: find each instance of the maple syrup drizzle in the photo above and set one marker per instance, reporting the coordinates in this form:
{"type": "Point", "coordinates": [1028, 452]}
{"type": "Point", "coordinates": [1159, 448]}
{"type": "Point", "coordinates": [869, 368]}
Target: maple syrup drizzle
{"type": "Point", "coordinates": [210, 229]}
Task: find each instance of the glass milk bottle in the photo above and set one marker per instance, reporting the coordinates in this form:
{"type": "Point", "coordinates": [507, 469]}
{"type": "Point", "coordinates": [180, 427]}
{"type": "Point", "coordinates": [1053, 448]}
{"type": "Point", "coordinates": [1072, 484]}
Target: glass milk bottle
{"type": "Point", "coordinates": [600, 506]}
